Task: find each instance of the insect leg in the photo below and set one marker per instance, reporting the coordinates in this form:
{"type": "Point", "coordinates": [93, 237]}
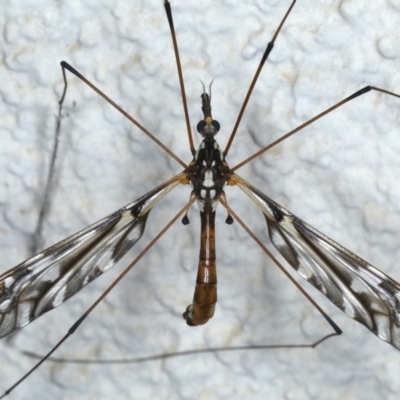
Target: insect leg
{"type": "Point", "coordinates": [165, 356]}
{"type": "Point", "coordinates": [309, 122]}
{"type": "Point", "coordinates": [66, 66]}
{"type": "Point", "coordinates": [181, 82]}
{"type": "Point", "coordinates": [282, 268]}
{"type": "Point", "coordinates": [253, 83]}
{"type": "Point", "coordinates": [94, 305]}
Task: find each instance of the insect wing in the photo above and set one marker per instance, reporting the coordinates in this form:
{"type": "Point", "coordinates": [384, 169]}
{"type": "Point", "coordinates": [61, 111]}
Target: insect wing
{"type": "Point", "coordinates": [360, 290]}
{"type": "Point", "coordinates": [51, 277]}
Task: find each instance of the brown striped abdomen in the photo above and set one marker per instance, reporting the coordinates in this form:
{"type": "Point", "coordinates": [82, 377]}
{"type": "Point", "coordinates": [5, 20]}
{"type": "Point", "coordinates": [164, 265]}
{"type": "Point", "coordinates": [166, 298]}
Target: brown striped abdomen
{"type": "Point", "coordinates": [205, 294]}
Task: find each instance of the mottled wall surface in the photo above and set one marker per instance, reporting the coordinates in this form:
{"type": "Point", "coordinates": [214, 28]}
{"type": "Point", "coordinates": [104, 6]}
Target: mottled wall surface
{"type": "Point", "coordinates": [341, 175]}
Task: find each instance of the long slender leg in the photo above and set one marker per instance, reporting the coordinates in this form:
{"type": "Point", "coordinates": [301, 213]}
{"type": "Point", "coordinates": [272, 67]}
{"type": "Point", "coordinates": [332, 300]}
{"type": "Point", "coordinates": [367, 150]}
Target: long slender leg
{"type": "Point", "coordinates": [96, 303]}
{"type": "Point", "coordinates": [253, 83]}
{"type": "Point", "coordinates": [37, 238]}
{"type": "Point", "coordinates": [66, 66]}
{"type": "Point", "coordinates": [165, 356]}
{"type": "Point", "coordinates": [180, 75]}
{"type": "Point", "coordinates": [309, 122]}
{"type": "Point", "coordinates": [282, 268]}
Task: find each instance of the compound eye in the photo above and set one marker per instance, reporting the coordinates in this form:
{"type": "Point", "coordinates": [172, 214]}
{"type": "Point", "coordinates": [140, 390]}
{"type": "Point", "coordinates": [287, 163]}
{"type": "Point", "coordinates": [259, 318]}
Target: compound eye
{"type": "Point", "coordinates": [215, 124]}
{"type": "Point", "coordinates": [201, 125]}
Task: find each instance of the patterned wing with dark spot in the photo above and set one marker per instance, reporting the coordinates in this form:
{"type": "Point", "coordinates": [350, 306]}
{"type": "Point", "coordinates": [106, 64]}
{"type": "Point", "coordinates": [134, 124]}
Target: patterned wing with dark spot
{"type": "Point", "coordinates": [360, 290]}
{"type": "Point", "coordinates": [51, 277]}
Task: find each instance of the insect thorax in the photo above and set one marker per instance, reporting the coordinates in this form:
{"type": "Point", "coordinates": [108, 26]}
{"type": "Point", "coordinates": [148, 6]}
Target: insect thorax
{"type": "Point", "coordinates": [208, 173]}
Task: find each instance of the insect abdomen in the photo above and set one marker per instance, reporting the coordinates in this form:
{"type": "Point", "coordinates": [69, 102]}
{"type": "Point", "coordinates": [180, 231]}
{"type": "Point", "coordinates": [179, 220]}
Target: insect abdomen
{"type": "Point", "coordinates": [205, 294]}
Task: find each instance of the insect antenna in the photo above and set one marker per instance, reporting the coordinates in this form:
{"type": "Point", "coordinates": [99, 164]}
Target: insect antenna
{"type": "Point", "coordinates": [75, 326]}
{"type": "Point", "coordinates": [204, 87]}
{"type": "Point", "coordinates": [310, 121]}
{"type": "Point", "coordinates": [209, 89]}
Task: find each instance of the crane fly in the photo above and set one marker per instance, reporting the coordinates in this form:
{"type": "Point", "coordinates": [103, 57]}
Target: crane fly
{"type": "Point", "coordinates": [100, 246]}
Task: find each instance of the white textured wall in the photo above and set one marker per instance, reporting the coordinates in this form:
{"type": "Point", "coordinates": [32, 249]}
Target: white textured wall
{"type": "Point", "coordinates": [341, 175]}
